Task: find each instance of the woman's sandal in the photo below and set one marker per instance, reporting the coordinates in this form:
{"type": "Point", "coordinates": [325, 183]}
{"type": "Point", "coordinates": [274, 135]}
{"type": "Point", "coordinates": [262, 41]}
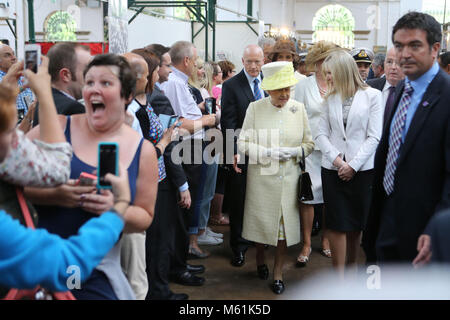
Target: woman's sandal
{"type": "Point", "coordinates": [221, 221]}
{"type": "Point", "coordinates": [325, 252]}
{"type": "Point", "coordinates": [303, 260]}
{"type": "Point", "coordinates": [196, 254]}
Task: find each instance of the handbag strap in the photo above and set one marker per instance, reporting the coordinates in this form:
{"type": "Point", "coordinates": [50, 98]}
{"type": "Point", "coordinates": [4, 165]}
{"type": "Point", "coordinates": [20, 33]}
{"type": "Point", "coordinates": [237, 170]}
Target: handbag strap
{"type": "Point", "coordinates": [25, 211]}
{"type": "Point", "coordinates": [302, 162]}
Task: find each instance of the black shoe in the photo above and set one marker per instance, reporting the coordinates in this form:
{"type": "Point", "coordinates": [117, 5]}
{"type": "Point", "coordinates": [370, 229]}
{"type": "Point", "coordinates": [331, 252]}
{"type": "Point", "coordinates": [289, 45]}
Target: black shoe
{"type": "Point", "coordinates": [278, 286]}
{"type": "Point", "coordinates": [178, 296]}
{"type": "Point", "coordinates": [263, 272]}
{"type": "Point", "coordinates": [188, 279]}
{"type": "Point", "coordinates": [238, 259]}
{"type": "Point", "coordinates": [195, 268]}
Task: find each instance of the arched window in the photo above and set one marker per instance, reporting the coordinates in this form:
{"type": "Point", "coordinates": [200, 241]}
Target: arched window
{"type": "Point", "coordinates": [60, 26]}
{"type": "Point", "coordinates": [334, 23]}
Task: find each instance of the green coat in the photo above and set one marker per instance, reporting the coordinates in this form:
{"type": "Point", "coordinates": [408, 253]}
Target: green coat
{"type": "Point", "coordinates": [272, 185]}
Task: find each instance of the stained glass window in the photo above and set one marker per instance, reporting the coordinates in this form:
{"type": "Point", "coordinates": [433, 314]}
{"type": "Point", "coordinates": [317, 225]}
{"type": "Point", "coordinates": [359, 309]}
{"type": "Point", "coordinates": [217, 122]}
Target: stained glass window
{"type": "Point", "coordinates": [334, 23]}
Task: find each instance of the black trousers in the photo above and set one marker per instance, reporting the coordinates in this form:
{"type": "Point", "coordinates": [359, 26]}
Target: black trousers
{"type": "Point", "coordinates": [238, 182]}
{"type": "Point", "coordinates": [166, 242]}
{"type": "Point", "coordinates": [386, 245]}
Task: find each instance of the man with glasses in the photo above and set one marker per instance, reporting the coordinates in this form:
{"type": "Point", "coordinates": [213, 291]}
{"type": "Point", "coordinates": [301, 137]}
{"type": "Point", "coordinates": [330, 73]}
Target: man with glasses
{"type": "Point", "coordinates": [7, 59]}
{"type": "Point", "coordinates": [387, 84]}
{"type": "Point", "coordinates": [237, 93]}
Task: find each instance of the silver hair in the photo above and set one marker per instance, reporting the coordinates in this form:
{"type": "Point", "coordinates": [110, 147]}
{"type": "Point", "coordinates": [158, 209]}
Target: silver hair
{"type": "Point", "coordinates": [378, 59]}
{"type": "Point", "coordinates": [180, 50]}
{"type": "Point", "coordinates": [262, 42]}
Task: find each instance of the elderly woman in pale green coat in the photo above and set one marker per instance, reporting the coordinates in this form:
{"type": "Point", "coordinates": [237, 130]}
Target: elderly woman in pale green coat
{"type": "Point", "coordinates": [274, 133]}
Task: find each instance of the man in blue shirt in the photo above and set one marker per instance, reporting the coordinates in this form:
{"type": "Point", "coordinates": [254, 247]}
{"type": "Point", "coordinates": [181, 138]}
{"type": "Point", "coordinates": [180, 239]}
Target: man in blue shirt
{"type": "Point", "coordinates": [7, 59]}
{"type": "Point", "coordinates": [412, 163]}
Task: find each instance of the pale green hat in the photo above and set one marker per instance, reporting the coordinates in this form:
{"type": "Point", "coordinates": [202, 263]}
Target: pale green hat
{"type": "Point", "coordinates": [278, 75]}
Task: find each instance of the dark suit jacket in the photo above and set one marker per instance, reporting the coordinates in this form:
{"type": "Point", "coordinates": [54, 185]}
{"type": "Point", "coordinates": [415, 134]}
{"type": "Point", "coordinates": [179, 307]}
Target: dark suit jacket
{"type": "Point", "coordinates": [159, 102]}
{"type": "Point", "coordinates": [161, 105]}
{"type": "Point", "coordinates": [377, 83]}
{"type": "Point", "coordinates": [64, 105]}
{"type": "Point", "coordinates": [422, 177]}
{"type": "Point", "coordinates": [236, 96]}
{"type": "Point", "coordinates": [439, 231]}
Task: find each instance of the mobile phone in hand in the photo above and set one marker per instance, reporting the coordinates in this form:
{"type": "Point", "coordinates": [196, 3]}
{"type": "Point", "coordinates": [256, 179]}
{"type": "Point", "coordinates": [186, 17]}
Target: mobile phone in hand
{"type": "Point", "coordinates": [108, 162]}
{"type": "Point", "coordinates": [86, 179]}
{"type": "Point", "coordinates": [210, 105]}
{"type": "Point", "coordinates": [32, 57]}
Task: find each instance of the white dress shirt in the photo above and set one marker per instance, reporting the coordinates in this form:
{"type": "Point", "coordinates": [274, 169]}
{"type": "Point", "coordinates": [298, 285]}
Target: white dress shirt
{"type": "Point", "coordinates": [177, 91]}
{"type": "Point", "coordinates": [385, 93]}
{"type": "Point", "coordinates": [250, 80]}
{"type": "Point", "coordinates": [133, 107]}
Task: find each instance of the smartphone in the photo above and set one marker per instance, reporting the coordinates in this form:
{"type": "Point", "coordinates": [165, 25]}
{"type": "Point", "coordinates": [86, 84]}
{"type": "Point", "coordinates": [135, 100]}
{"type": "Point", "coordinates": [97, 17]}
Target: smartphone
{"type": "Point", "coordinates": [210, 105]}
{"type": "Point", "coordinates": [86, 179]}
{"type": "Point", "coordinates": [172, 120]}
{"type": "Point", "coordinates": [167, 121]}
{"type": "Point", "coordinates": [32, 57]}
{"type": "Point", "coordinates": [108, 162]}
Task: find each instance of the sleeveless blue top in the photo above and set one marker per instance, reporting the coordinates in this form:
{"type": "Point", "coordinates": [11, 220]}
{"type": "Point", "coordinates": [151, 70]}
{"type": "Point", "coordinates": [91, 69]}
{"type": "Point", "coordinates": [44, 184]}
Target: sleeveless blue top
{"type": "Point", "coordinates": [107, 281]}
{"type": "Point", "coordinates": [65, 222]}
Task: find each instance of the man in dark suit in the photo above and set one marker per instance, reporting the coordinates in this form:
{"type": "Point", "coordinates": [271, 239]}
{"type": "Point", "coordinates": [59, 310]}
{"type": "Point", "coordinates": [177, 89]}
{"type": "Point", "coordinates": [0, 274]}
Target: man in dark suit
{"type": "Point", "coordinates": [387, 84]}
{"type": "Point", "coordinates": [412, 163]}
{"type": "Point", "coordinates": [237, 93]}
{"type": "Point", "coordinates": [67, 61]}
{"type": "Point", "coordinates": [179, 268]}
{"type": "Point", "coordinates": [444, 61]}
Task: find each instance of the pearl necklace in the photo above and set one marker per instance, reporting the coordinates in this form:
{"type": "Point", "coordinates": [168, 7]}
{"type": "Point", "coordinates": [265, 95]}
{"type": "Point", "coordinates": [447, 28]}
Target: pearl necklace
{"type": "Point", "coordinates": [321, 90]}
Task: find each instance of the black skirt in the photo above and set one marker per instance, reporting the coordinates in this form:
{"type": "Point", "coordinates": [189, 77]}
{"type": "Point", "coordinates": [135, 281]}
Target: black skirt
{"type": "Point", "coordinates": [347, 203]}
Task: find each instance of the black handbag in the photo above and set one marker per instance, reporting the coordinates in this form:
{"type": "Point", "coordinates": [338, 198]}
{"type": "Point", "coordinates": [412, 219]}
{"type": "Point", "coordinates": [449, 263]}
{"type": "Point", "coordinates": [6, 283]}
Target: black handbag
{"type": "Point", "coordinates": [304, 183]}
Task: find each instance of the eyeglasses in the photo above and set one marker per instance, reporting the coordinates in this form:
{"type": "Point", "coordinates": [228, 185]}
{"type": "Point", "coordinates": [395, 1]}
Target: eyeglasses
{"type": "Point", "coordinates": [391, 62]}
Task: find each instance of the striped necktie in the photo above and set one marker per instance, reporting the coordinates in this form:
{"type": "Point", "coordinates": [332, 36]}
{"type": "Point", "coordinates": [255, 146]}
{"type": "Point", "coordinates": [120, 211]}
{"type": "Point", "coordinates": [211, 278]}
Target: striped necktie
{"type": "Point", "coordinates": [256, 91]}
{"type": "Point", "coordinates": [395, 138]}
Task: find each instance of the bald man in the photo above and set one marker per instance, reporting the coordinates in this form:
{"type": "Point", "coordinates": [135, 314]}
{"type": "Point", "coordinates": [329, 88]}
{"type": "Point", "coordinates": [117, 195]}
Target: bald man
{"type": "Point", "coordinates": [237, 93]}
{"type": "Point", "coordinates": [139, 120]}
{"type": "Point", "coordinates": [7, 59]}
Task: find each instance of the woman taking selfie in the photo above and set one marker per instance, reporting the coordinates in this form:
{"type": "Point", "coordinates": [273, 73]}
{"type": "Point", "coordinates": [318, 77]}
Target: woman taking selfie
{"type": "Point", "coordinates": [109, 86]}
{"type": "Point", "coordinates": [35, 257]}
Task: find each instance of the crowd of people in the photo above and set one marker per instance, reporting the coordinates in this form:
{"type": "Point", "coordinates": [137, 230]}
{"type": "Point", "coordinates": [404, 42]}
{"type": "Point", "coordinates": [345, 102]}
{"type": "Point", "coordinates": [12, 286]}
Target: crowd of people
{"type": "Point", "coordinates": [373, 132]}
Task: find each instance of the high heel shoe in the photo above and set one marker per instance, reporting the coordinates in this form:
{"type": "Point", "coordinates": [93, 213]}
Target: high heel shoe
{"type": "Point", "coordinates": [278, 286]}
{"type": "Point", "coordinates": [303, 260]}
{"type": "Point", "coordinates": [263, 272]}
{"type": "Point", "coordinates": [325, 252]}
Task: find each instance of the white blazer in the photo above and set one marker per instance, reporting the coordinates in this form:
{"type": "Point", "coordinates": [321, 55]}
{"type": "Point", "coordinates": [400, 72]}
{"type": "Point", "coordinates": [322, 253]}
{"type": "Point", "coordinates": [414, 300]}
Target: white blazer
{"type": "Point", "coordinates": [359, 141]}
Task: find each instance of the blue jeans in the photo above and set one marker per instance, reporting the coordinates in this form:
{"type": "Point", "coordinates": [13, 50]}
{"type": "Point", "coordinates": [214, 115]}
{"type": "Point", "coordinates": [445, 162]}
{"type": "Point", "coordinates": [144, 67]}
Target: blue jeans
{"type": "Point", "coordinates": [208, 193]}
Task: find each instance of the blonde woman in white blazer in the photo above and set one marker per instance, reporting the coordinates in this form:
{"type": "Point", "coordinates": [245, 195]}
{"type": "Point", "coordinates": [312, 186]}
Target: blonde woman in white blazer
{"type": "Point", "coordinates": [348, 135]}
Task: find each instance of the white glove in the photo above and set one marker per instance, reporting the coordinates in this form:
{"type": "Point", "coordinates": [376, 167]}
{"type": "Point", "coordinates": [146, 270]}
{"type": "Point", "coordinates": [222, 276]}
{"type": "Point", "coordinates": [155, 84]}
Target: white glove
{"type": "Point", "coordinates": [277, 154]}
{"type": "Point", "coordinates": [289, 152]}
